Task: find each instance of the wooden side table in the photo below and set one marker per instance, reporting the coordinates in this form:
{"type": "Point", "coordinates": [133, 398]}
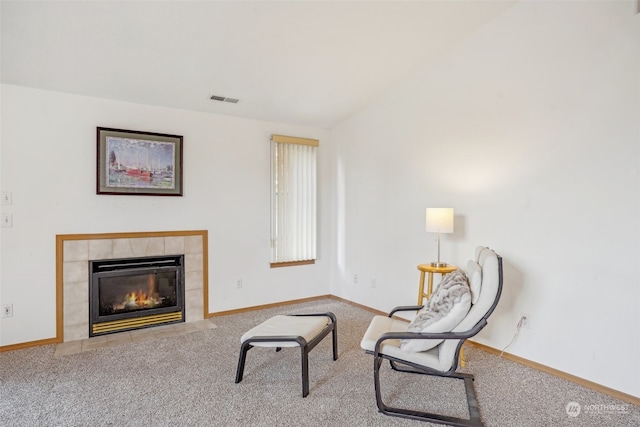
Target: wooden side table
{"type": "Point", "coordinates": [428, 268]}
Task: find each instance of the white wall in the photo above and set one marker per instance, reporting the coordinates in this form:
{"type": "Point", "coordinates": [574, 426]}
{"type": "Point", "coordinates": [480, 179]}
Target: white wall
{"type": "Point", "coordinates": [530, 130]}
{"type": "Point", "coordinates": [48, 163]}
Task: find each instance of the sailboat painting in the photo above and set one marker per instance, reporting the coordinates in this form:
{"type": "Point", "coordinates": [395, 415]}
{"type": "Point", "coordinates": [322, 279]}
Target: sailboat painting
{"type": "Point", "coordinates": [140, 163]}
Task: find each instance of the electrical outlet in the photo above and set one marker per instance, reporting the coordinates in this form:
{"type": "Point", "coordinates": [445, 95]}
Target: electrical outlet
{"type": "Point", "coordinates": [525, 319]}
{"type": "Point", "coordinates": [239, 283]}
{"type": "Point", "coordinates": [374, 282]}
{"type": "Point", "coordinates": [7, 310]}
{"type": "Point", "coordinates": [355, 279]}
{"type": "Point", "coordinates": [7, 220]}
{"type": "Point", "coordinates": [7, 199]}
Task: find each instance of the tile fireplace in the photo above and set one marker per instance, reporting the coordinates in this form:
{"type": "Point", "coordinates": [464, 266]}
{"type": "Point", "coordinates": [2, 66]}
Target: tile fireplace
{"type": "Point", "coordinates": [74, 251]}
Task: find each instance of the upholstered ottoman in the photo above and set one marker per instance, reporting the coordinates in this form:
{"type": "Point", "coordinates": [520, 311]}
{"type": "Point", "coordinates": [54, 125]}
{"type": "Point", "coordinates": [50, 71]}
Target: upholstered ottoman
{"type": "Point", "coordinates": [304, 330]}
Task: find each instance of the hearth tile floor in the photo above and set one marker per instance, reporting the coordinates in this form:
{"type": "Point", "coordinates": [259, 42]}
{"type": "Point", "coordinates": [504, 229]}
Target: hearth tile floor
{"type": "Point", "coordinates": [111, 340]}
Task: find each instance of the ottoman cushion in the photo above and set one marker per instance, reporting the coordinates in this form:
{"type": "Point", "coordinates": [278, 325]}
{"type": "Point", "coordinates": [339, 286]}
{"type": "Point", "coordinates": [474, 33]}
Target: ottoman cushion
{"type": "Point", "coordinates": [307, 327]}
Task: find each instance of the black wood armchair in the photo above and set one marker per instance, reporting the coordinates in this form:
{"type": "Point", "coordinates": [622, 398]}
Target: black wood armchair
{"type": "Point", "coordinates": [385, 337]}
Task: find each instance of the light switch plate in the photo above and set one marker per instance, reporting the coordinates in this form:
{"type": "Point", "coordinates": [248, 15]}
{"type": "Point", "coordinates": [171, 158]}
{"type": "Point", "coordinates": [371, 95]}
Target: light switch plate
{"type": "Point", "coordinates": [7, 198]}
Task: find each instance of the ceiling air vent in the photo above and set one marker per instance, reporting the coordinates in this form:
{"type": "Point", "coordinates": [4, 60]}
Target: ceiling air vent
{"type": "Point", "coordinates": [224, 99]}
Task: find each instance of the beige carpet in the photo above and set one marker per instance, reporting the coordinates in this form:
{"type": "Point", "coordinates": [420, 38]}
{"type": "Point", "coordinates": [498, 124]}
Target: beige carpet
{"type": "Point", "coordinates": [188, 380]}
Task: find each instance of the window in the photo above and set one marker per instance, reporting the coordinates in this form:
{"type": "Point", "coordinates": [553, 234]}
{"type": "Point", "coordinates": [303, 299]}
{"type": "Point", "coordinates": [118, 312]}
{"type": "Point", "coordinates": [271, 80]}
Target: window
{"type": "Point", "coordinates": [293, 200]}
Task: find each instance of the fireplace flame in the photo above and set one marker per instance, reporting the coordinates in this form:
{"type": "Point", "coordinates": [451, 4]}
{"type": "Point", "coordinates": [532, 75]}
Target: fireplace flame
{"type": "Point", "coordinates": [139, 299]}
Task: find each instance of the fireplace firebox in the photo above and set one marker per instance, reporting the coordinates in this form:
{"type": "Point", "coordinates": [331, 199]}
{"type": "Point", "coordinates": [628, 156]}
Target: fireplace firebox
{"type": "Point", "coordinates": [135, 293]}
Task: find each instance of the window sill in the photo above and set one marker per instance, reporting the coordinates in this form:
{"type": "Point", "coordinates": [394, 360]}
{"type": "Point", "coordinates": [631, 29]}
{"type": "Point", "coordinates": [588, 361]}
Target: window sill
{"type": "Point", "coordinates": [292, 263]}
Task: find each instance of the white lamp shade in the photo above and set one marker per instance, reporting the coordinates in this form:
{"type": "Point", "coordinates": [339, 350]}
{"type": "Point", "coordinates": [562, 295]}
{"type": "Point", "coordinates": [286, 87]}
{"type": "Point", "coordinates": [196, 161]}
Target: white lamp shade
{"type": "Point", "coordinates": [439, 220]}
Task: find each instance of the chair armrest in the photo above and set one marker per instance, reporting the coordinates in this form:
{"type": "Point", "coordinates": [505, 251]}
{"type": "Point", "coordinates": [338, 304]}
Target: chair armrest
{"type": "Point", "coordinates": [429, 336]}
{"type": "Point", "coordinates": [405, 308]}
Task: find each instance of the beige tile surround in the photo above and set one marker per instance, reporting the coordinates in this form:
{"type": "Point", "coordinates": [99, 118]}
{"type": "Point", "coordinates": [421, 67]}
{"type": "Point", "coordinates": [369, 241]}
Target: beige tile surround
{"type": "Point", "coordinates": [77, 250]}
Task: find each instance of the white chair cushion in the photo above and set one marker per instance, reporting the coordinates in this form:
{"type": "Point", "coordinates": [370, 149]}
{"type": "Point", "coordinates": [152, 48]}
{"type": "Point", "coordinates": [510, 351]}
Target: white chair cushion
{"type": "Point", "coordinates": [307, 327]}
{"type": "Point", "coordinates": [474, 273]}
{"type": "Point", "coordinates": [382, 324]}
{"type": "Point", "coordinates": [446, 307]}
{"type": "Point", "coordinates": [378, 326]}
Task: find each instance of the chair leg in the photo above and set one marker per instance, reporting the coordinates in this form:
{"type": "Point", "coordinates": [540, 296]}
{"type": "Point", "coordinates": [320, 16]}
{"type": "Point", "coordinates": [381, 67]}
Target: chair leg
{"type": "Point", "coordinates": [377, 361]}
{"type": "Point", "coordinates": [474, 415]}
{"type": "Point", "coordinates": [472, 402]}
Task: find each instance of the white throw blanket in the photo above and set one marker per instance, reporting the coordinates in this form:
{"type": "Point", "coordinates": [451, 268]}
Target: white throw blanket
{"type": "Point", "coordinates": [451, 291]}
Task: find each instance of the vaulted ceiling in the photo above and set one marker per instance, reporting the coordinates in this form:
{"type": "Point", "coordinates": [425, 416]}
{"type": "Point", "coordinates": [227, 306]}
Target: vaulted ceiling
{"type": "Point", "coordinates": [304, 62]}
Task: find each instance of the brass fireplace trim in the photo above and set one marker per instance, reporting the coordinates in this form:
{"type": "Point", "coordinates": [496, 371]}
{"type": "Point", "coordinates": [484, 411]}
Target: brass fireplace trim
{"type": "Point", "coordinates": [137, 322]}
{"type": "Point", "coordinates": [61, 238]}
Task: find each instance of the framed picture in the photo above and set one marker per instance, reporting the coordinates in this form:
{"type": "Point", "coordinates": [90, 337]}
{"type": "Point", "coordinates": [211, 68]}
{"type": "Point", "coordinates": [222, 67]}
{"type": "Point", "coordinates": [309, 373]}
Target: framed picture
{"type": "Point", "coordinates": [131, 162]}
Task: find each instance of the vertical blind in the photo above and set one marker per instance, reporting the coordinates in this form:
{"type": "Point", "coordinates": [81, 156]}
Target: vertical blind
{"type": "Point", "coordinates": [293, 199]}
